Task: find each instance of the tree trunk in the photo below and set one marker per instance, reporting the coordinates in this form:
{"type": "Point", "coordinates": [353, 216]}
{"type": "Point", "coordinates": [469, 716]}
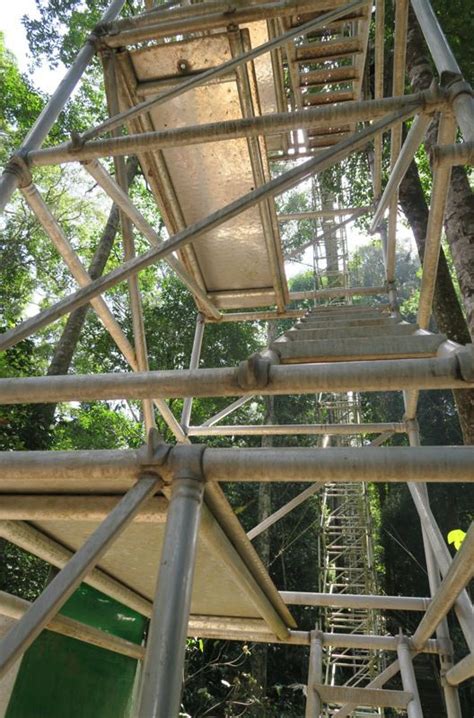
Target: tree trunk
{"type": "Point", "coordinates": [446, 308]}
{"type": "Point", "coordinates": [459, 216]}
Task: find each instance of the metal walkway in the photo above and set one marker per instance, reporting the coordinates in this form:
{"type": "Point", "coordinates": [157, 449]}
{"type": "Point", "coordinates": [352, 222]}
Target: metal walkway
{"type": "Point", "coordinates": [214, 97]}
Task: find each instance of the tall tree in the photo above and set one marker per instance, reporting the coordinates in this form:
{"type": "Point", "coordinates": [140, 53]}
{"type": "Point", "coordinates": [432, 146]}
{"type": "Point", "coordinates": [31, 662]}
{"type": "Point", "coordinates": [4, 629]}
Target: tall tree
{"type": "Point", "coordinates": [459, 216]}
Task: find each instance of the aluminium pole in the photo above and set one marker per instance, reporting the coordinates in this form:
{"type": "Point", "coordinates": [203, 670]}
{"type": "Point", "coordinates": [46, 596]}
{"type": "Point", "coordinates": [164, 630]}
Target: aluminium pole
{"type": "Point", "coordinates": [463, 103]}
{"type": "Point", "coordinates": [123, 201]}
{"type": "Point", "coordinates": [225, 68]}
{"type": "Point", "coordinates": [66, 581]}
{"type": "Point", "coordinates": [35, 137]}
{"type": "Point", "coordinates": [273, 187]}
{"type": "Point", "coordinates": [410, 146]}
{"type": "Point", "coordinates": [451, 696]}
{"type": "Point", "coordinates": [193, 364]}
{"type": "Point", "coordinates": [312, 117]}
{"type": "Point", "coordinates": [80, 274]}
{"type": "Point", "coordinates": [408, 678]}
{"type": "Point", "coordinates": [162, 676]}
{"type": "Point", "coordinates": [315, 675]}
{"type": "Point", "coordinates": [460, 573]}
{"type": "Point", "coordinates": [461, 671]}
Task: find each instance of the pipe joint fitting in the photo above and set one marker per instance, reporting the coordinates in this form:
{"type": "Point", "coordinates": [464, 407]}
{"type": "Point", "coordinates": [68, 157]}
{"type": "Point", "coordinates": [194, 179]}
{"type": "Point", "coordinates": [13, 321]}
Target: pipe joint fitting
{"type": "Point", "coordinates": [411, 424]}
{"type": "Point", "coordinates": [317, 635]}
{"type": "Point", "coordinates": [154, 453]}
{"type": "Point", "coordinates": [185, 461]}
{"type": "Point", "coordinates": [465, 358]}
{"type": "Point", "coordinates": [254, 372]}
{"type": "Point", "coordinates": [455, 85]}
{"type": "Point", "coordinates": [437, 94]}
{"type": "Point", "coordinates": [445, 647]}
{"type": "Point", "coordinates": [18, 165]}
{"type": "Point", "coordinates": [77, 142]}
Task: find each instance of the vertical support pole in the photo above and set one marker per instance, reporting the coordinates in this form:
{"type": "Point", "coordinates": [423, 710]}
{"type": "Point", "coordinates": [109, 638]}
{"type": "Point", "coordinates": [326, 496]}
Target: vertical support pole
{"type": "Point", "coordinates": [451, 695]}
{"type": "Point", "coordinates": [163, 668]}
{"type": "Point", "coordinates": [193, 364]}
{"type": "Point", "coordinates": [315, 675]}
{"type": "Point", "coordinates": [408, 678]}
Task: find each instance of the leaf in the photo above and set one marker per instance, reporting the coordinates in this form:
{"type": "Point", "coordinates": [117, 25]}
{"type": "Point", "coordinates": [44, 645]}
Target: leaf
{"type": "Point", "coordinates": [456, 537]}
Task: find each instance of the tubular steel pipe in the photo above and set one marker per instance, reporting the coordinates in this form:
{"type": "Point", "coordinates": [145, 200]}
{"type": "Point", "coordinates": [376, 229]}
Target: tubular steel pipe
{"type": "Point", "coordinates": [181, 11]}
{"type": "Point", "coordinates": [340, 464]}
{"type": "Point", "coordinates": [193, 364]}
{"type": "Point", "coordinates": [451, 697]}
{"type": "Point", "coordinates": [219, 19]}
{"type": "Point", "coordinates": [274, 187]}
{"type": "Point", "coordinates": [24, 507]}
{"type": "Point", "coordinates": [214, 72]}
{"type": "Point", "coordinates": [34, 541]}
{"type": "Point", "coordinates": [315, 675]}
{"type": "Point", "coordinates": [295, 429]}
{"type": "Point", "coordinates": [283, 511]}
{"type": "Point", "coordinates": [162, 675]}
{"type": "Point", "coordinates": [376, 375]}
{"type": "Point", "coordinates": [347, 600]}
{"type": "Point", "coordinates": [462, 671]}
{"type": "Point", "coordinates": [443, 57]}
{"type": "Point", "coordinates": [458, 576]}
{"type": "Point", "coordinates": [378, 682]}
{"type": "Point", "coordinates": [15, 607]}
{"type": "Point", "coordinates": [66, 581]}
{"type": "Point", "coordinates": [312, 117]}
{"type": "Point", "coordinates": [10, 181]}
{"type": "Point", "coordinates": [227, 410]}
{"type": "Point", "coordinates": [122, 200]}
{"type": "Point", "coordinates": [321, 213]}
{"type": "Point", "coordinates": [459, 154]}
{"type": "Point", "coordinates": [302, 638]}
{"type": "Point", "coordinates": [326, 235]}
{"type": "Point", "coordinates": [463, 605]}
{"type": "Point", "coordinates": [337, 292]}
{"type": "Point", "coordinates": [80, 274]}
{"type": "Point", "coordinates": [310, 465]}
{"type": "Point", "coordinates": [408, 678]}
{"type": "Point", "coordinates": [260, 316]}
{"type": "Point", "coordinates": [414, 139]}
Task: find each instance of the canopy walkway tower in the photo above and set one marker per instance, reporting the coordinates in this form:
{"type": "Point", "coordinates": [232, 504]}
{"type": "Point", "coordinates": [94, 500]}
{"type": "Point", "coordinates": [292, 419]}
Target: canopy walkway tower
{"type": "Point", "coordinates": [227, 105]}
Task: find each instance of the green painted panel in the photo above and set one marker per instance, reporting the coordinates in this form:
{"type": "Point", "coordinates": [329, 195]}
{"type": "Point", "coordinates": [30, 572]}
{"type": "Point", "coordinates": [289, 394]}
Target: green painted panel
{"type": "Point", "coordinates": [61, 677]}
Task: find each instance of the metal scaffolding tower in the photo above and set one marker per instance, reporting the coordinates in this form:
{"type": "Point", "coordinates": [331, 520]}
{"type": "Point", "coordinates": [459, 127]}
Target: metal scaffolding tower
{"type": "Point", "coordinates": [212, 97]}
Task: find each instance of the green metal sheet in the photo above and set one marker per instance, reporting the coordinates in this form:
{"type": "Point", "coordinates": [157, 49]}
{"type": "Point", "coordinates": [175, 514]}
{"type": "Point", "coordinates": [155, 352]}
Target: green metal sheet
{"type": "Point", "coordinates": [61, 677]}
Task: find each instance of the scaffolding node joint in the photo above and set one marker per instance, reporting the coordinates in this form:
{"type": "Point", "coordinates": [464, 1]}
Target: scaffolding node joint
{"type": "Point", "coordinates": [185, 461]}
{"type": "Point", "coordinates": [155, 452]}
{"type": "Point", "coordinates": [465, 357]}
{"type": "Point", "coordinates": [254, 372]}
{"type": "Point", "coordinates": [18, 165]}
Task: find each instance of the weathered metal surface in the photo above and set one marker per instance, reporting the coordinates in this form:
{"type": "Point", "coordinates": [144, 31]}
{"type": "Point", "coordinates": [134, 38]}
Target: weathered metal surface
{"type": "Point", "coordinates": [205, 177]}
{"type": "Point", "coordinates": [134, 559]}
